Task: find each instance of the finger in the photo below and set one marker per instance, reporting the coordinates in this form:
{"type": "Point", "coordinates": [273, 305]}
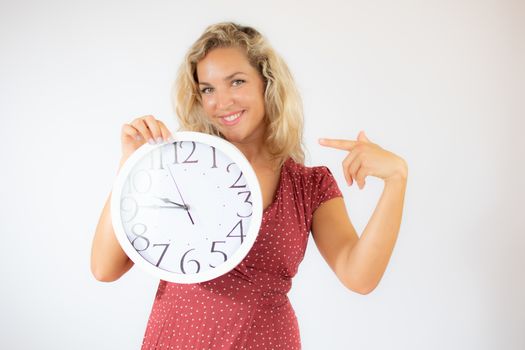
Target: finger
{"type": "Point", "coordinates": [354, 167]}
{"type": "Point", "coordinates": [362, 137]}
{"type": "Point", "coordinates": [362, 172]}
{"type": "Point", "coordinates": [153, 126]}
{"type": "Point", "coordinates": [130, 131]}
{"type": "Point", "coordinates": [166, 134]}
{"type": "Point", "coordinates": [141, 126]}
{"type": "Point", "coordinates": [346, 163]}
{"type": "Point", "coordinates": [346, 145]}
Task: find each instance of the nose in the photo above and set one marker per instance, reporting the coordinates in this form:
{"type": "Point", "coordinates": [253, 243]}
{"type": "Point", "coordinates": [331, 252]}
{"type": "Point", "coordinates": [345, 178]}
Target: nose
{"type": "Point", "coordinates": [224, 99]}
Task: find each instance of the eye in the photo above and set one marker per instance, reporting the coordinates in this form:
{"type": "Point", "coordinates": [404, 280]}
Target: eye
{"type": "Point", "coordinates": [238, 82]}
{"type": "Point", "coordinates": [206, 90]}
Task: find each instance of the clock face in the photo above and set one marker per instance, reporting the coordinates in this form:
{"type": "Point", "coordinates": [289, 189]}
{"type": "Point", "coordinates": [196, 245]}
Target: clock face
{"type": "Point", "coordinates": [187, 211]}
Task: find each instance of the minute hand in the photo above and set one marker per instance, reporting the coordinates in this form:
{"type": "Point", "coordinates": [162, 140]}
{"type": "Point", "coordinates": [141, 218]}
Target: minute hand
{"type": "Point", "coordinates": [187, 207]}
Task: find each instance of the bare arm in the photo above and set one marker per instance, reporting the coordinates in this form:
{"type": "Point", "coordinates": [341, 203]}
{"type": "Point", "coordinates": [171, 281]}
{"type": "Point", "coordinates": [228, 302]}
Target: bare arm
{"type": "Point", "coordinates": [108, 261]}
{"type": "Point", "coordinates": [360, 263]}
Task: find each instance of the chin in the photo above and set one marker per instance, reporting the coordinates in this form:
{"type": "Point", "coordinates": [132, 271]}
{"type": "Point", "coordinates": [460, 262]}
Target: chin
{"type": "Point", "coordinates": [241, 135]}
{"type": "Point", "coordinates": [235, 138]}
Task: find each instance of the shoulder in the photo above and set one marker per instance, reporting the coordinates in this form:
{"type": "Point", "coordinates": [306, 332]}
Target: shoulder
{"type": "Point", "coordinates": [310, 185]}
{"type": "Point", "coordinates": [311, 174]}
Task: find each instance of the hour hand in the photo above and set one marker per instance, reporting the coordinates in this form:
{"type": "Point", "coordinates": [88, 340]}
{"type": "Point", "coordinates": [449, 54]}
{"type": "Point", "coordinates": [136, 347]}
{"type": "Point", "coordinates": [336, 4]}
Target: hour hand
{"type": "Point", "coordinates": [166, 200]}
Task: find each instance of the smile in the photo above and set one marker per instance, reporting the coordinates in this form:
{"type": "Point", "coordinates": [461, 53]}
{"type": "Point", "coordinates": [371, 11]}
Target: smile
{"type": "Point", "coordinates": [231, 119]}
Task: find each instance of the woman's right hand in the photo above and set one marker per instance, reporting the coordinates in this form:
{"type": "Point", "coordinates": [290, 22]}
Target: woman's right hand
{"type": "Point", "coordinates": [141, 130]}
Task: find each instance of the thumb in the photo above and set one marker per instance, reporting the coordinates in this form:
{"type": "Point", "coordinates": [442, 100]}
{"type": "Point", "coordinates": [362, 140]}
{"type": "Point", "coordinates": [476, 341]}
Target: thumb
{"type": "Point", "coordinates": [362, 137]}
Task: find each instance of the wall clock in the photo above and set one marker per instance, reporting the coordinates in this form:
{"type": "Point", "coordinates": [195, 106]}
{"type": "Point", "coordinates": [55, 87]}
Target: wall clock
{"type": "Point", "coordinates": [187, 211]}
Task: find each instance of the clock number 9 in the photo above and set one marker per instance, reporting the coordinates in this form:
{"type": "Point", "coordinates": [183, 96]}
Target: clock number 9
{"type": "Point", "coordinates": [141, 230]}
{"type": "Point", "coordinates": [128, 212]}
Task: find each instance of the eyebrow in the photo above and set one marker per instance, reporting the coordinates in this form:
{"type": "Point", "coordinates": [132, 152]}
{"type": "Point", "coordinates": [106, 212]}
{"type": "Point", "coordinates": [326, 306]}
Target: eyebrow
{"type": "Point", "coordinates": [225, 79]}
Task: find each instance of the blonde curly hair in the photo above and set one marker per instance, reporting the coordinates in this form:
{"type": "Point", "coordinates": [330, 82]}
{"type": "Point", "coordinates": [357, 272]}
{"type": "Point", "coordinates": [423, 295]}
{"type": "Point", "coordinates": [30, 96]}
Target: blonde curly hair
{"type": "Point", "coordinates": [282, 102]}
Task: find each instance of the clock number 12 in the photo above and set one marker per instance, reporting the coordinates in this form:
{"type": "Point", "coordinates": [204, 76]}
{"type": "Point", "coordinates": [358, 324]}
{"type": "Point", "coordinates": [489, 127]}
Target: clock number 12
{"type": "Point", "coordinates": [187, 160]}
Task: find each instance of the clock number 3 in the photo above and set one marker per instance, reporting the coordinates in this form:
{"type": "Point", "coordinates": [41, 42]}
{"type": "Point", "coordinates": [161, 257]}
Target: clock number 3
{"type": "Point", "coordinates": [246, 200]}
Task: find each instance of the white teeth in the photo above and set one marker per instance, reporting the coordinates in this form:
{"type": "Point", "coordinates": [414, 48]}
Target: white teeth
{"type": "Point", "coordinates": [233, 117]}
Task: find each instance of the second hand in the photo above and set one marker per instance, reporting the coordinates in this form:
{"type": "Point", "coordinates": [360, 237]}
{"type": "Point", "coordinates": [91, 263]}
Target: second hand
{"type": "Point", "coordinates": [187, 210]}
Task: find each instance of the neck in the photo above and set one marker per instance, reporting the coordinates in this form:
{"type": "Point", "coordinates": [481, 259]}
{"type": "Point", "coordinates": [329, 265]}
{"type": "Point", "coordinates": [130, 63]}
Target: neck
{"type": "Point", "coordinates": [255, 152]}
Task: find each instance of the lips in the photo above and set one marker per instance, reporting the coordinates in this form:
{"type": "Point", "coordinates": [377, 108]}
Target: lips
{"type": "Point", "coordinates": [231, 118]}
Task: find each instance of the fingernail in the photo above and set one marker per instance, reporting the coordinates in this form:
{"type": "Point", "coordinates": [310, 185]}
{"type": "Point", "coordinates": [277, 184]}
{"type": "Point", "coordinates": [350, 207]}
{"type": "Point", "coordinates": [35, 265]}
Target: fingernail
{"type": "Point", "coordinates": [151, 142]}
{"type": "Point", "coordinates": [170, 139]}
{"type": "Point", "coordinates": [159, 140]}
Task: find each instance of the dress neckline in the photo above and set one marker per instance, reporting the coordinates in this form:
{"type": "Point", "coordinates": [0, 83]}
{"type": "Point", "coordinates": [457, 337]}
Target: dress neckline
{"type": "Point", "coordinates": [277, 189]}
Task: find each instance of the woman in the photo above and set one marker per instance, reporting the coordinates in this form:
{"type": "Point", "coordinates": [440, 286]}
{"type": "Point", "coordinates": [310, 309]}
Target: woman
{"type": "Point", "coordinates": [234, 85]}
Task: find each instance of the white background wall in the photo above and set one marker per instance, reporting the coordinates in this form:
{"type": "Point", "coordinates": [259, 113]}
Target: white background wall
{"type": "Point", "coordinates": [440, 83]}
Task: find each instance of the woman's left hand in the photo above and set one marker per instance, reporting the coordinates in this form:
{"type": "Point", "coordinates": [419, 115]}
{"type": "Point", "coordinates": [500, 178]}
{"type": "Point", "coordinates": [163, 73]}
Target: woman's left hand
{"type": "Point", "coordinates": [367, 158]}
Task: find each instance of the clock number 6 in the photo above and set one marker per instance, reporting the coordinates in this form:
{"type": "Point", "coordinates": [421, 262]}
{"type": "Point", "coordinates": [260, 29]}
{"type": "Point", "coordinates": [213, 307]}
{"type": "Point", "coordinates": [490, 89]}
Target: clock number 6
{"type": "Point", "coordinates": [183, 263]}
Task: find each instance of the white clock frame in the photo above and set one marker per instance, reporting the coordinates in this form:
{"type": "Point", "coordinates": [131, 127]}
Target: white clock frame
{"type": "Point", "coordinates": [255, 220]}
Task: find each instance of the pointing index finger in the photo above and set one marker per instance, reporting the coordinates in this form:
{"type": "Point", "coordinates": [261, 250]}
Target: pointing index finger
{"type": "Point", "coordinates": [345, 145]}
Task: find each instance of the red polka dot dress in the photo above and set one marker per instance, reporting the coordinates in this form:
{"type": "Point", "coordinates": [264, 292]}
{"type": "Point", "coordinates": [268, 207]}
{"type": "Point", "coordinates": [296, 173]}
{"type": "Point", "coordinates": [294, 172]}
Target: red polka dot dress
{"type": "Point", "coordinates": [248, 308]}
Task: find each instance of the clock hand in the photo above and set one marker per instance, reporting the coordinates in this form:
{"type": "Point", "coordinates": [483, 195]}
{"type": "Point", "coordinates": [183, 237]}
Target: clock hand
{"type": "Point", "coordinates": [187, 207]}
{"type": "Point", "coordinates": [162, 206]}
{"type": "Point", "coordinates": [166, 200]}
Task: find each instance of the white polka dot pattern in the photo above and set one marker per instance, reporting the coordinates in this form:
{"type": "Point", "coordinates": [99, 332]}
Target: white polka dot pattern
{"type": "Point", "coordinates": [248, 308]}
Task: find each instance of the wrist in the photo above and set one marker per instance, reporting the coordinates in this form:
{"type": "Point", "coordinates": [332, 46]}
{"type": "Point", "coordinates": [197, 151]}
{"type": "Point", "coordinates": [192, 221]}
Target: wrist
{"type": "Point", "coordinates": [400, 175]}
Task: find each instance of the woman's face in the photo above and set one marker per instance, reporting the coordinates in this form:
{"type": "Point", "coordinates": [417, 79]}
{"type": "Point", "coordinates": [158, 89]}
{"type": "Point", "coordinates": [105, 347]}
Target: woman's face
{"type": "Point", "coordinates": [232, 93]}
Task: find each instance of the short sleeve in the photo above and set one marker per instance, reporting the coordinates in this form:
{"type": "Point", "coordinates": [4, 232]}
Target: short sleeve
{"type": "Point", "coordinates": [325, 187]}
